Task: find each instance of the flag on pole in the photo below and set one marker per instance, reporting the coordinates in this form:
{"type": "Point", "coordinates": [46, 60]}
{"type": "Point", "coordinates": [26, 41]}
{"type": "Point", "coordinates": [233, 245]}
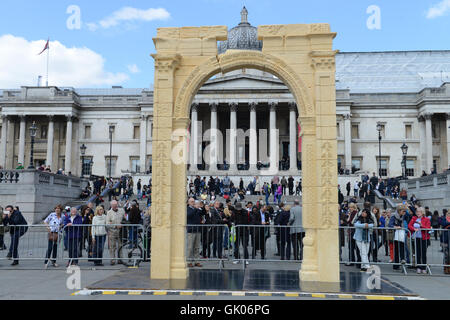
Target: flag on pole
{"type": "Point", "coordinates": [47, 46]}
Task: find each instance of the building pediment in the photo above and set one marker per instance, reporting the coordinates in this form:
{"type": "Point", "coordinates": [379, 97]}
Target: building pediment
{"type": "Point", "coordinates": [243, 82]}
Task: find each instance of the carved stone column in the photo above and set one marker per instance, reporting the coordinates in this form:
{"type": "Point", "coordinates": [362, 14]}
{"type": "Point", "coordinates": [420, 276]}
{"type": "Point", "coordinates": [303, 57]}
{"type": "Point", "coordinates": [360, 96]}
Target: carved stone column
{"type": "Point", "coordinates": [168, 258]}
{"type": "Point", "coordinates": [321, 260]}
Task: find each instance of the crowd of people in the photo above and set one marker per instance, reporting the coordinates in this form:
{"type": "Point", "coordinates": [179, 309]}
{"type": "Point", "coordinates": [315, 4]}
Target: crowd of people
{"type": "Point", "coordinates": [200, 188]}
{"type": "Point", "coordinates": [215, 227]}
{"type": "Point", "coordinates": [242, 228]}
{"type": "Point", "coordinates": [84, 230]}
{"type": "Point", "coordinates": [404, 233]}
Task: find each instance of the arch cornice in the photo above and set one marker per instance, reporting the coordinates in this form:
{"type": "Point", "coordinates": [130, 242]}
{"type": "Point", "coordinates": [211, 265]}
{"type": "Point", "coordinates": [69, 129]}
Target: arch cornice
{"type": "Point", "coordinates": [236, 59]}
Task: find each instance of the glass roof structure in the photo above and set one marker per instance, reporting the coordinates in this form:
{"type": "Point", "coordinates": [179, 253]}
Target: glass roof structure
{"type": "Point", "coordinates": [401, 71]}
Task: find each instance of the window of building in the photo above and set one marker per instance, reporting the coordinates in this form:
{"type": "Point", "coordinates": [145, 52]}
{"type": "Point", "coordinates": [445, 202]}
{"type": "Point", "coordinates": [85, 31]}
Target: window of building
{"type": "Point", "coordinates": [356, 164]}
{"type": "Point", "coordinates": [87, 132]}
{"type": "Point", "coordinates": [135, 164]}
{"type": "Point", "coordinates": [408, 131]}
{"type": "Point", "coordinates": [86, 169]}
{"type": "Point", "coordinates": [355, 131]}
{"type": "Point", "coordinates": [338, 130]}
{"type": "Point", "coordinates": [383, 167]}
{"type": "Point", "coordinates": [110, 166]}
{"type": "Point", "coordinates": [44, 131]}
{"type": "Point", "coordinates": [410, 167]}
{"type": "Point", "coordinates": [136, 132]}
{"type": "Point", "coordinates": [436, 163]}
{"type": "Point", "coordinates": [149, 164]}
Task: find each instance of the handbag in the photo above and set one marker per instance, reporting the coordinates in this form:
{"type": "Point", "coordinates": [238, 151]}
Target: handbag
{"type": "Point", "coordinates": [53, 236]}
{"type": "Point", "coordinates": [399, 235]}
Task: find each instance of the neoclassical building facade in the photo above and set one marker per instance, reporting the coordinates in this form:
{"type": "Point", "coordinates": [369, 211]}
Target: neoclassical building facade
{"type": "Point", "coordinates": [406, 93]}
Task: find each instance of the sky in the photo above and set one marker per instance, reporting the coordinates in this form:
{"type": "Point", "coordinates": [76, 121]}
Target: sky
{"type": "Point", "coordinates": [99, 44]}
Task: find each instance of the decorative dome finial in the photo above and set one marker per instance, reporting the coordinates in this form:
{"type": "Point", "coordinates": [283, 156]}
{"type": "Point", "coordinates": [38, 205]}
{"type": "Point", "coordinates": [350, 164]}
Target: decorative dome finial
{"type": "Point", "coordinates": [244, 15]}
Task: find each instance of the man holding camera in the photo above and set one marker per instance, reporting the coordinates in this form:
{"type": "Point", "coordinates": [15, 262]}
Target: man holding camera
{"type": "Point", "coordinates": [18, 226]}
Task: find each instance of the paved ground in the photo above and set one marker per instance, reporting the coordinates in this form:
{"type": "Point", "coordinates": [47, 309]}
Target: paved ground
{"type": "Point", "coordinates": [31, 281]}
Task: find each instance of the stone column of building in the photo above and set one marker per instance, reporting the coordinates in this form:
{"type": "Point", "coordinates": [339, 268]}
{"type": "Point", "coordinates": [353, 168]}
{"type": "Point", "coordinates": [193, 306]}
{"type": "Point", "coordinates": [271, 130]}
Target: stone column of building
{"type": "Point", "coordinates": [143, 144]}
{"type": "Point", "coordinates": [23, 124]}
{"type": "Point", "coordinates": [3, 142]}
{"type": "Point", "coordinates": [50, 136]}
{"type": "Point", "coordinates": [273, 136]}
{"type": "Point", "coordinates": [213, 148]}
{"type": "Point", "coordinates": [348, 141]}
{"type": "Point", "coordinates": [448, 138]}
{"type": "Point", "coordinates": [428, 142]}
{"type": "Point", "coordinates": [68, 159]}
{"type": "Point", "coordinates": [233, 130]}
{"type": "Point", "coordinates": [422, 156]}
{"type": "Point", "coordinates": [293, 136]}
{"type": "Point", "coordinates": [253, 138]}
{"type": "Point", "coordinates": [194, 137]}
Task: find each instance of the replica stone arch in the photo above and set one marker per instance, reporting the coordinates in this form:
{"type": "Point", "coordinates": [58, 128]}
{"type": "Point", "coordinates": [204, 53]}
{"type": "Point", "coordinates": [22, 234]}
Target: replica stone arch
{"type": "Point", "coordinates": [301, 56]}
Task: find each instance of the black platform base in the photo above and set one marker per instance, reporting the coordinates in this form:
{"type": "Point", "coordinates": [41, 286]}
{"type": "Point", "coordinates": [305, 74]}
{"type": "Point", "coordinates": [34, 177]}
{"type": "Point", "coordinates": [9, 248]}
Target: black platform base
{"type": "Point", "coordinates": [249, 280]}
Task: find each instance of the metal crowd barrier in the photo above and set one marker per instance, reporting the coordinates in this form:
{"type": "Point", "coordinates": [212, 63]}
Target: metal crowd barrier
{"type": "Point", "coordinates": [433, 252]}
{"type": "Point", "coordinates": [127, 244]}
{"type": "Point", "coordinates": [243, 243]}
{"type": "Point", "coordinates": [399, 254]}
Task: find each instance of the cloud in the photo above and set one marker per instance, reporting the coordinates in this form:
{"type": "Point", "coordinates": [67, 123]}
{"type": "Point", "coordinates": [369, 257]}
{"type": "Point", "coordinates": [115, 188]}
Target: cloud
{"type": "Point", "coordinates": [129, 14]}
{"type": "Point", "coordinates": [133, 68]}
{"type": "Point", "coordinates": [439, 9]}
{"type": "Point", "coordinates": [20, 65]}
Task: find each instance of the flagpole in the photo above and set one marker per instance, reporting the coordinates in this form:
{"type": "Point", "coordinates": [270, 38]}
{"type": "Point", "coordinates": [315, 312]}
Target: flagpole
{"type": "Point", "coordinates": [48, 58]}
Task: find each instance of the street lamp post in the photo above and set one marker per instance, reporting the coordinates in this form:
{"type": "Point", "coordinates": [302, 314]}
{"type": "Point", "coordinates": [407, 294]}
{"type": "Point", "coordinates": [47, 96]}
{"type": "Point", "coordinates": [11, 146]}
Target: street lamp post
{"type": "Point", "coordinates": [379, 128]}
{"type": "Point", "coordinates": [33, 130]}
{"type": "Point", "coordinates": [83, 152]}
{"type": "Point", "coordinates": [404, 148]}
{"type": "Point", "coordinates": [111, 130]}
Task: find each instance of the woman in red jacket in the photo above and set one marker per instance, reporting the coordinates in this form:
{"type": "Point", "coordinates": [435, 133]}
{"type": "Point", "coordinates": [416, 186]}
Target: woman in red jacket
{"type": "Point", "coordinates": [420, 226]}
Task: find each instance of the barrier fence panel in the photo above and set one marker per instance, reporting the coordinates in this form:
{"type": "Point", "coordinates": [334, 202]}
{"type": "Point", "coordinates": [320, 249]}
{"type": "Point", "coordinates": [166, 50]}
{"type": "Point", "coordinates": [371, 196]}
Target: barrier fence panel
{"type": "Point", "coordinates": [241, 243]}
{"type": "Point", "coordinates": [431, 250]}
{"type": "Point", "coordinates": [126, 244]}
{"type": "Point", "coordinates": [386, 248]}
{"type": "Point", "coordinates": [396, 243]}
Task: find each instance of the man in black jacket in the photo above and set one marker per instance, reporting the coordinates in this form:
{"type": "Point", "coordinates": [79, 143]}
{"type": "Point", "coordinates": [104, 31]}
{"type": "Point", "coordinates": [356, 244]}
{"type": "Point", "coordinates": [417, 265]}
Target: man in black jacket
{"type": "Point", "coordinates": [217, 218]}
{"type": "Point", "coordinates": [18, 227]}
{"type": "Point", "coordinates": [241, 219]}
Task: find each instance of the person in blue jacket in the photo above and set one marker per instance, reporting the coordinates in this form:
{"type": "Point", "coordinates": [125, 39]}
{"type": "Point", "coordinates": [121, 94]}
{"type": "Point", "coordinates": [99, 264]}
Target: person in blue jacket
{"type": "Point", "coordinates": [73, 227]}
{"type": "Point", "coordinates": [363, 233]}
